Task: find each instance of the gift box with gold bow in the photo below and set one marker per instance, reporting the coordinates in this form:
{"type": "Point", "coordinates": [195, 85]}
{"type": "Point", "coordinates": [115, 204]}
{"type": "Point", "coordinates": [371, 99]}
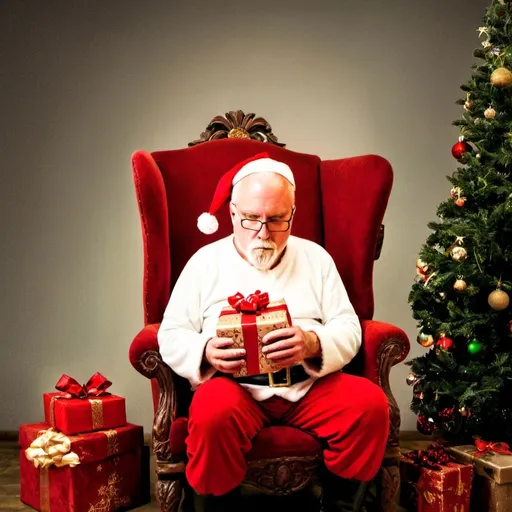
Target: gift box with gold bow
{"type": "Point", "coordinates": [94, 472]}
{"type": "Point", "coordinates": [432, 482]}
{"type": "Point", "coordinates": [83, 408]}
{"type": "Point", "coordinates": [492, 485]}
{"type": "Point", "coordinates": [247, 320]}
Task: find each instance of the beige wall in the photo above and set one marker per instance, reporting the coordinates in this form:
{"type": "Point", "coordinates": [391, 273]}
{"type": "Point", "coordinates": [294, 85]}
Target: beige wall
{"type": "Point", "coordinates": [86, 83]}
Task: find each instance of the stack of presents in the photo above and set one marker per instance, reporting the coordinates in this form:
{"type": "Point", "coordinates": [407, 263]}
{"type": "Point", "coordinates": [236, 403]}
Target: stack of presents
{"type": "Point", "coordinates": [85, 457]}
{"type": "Point", "coordinates": [457, 479]}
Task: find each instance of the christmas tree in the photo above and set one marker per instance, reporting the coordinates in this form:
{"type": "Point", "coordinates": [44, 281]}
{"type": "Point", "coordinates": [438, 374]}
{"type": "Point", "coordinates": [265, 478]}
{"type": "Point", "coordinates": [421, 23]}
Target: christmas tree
{"type": "Point", "coordinates": [462, 386]}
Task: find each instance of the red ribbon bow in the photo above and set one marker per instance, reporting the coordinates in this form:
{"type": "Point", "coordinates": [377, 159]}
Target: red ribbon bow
{"type": "Point", "coordinates": [96, 386]}
{"type": "Point", "coordinates": [251, 304]}
{"type": "Point", "coordinates": [433, 457]}
{"type": "Point", "coordinates": [484, 447]}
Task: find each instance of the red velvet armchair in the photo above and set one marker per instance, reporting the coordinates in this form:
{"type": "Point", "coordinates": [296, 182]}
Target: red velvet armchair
{"type": "Point", "coordinates": [340, 205]}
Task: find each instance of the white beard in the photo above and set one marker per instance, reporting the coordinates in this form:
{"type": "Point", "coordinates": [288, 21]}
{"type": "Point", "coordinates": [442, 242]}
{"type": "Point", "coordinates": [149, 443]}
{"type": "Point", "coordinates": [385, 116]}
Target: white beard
{"type": "Point", "coordinates": [263, 255]}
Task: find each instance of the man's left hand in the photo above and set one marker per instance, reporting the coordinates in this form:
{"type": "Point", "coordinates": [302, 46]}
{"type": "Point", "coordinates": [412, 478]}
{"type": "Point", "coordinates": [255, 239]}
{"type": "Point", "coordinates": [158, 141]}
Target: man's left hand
{"type": "Point", "coordinates": [290, 345]}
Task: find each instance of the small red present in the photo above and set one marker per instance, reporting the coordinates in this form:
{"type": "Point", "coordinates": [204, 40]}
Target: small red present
{"type": "Point", "coordinates": [95, 472]}
{"type": "Point", "coordinates": [246, 320]}
{"type": "Point", "coordinates": [434, 484]}
{"type": "Point", "coordinates": [83, 408]}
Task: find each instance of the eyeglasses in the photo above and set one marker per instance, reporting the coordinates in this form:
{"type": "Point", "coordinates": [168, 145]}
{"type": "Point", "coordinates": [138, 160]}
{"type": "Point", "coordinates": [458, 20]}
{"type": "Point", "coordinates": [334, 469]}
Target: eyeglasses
{"type": "Point", "coordinates": [272, 225]}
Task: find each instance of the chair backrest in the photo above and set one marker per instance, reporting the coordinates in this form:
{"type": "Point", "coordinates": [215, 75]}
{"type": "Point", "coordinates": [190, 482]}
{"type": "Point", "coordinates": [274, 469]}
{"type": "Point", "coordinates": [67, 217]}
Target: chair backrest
{"type": "Point", "coordinates": [340, 205]}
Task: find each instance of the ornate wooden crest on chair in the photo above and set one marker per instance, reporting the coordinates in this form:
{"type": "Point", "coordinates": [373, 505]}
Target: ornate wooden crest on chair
{"type": "Point", "coordinates": [384, 345]}
{"type": "Point", "coordinates": [237, 125]}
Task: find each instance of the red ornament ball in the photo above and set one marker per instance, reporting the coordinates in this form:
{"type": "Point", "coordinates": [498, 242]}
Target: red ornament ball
{"type": "Point", "coordinates": [445, 343]}
{"type": "Point", "coordinates": [425, 425]}
{"type": "Point", "coordinates": [447, 413]}
{"type": "Point", "coordinates": [460, 148]}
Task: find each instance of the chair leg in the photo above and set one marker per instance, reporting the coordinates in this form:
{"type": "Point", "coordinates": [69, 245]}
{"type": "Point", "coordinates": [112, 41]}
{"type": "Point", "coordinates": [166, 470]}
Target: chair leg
{"type": "Point", "coordinates": [168, 493]}
{"type": "Point", "coordinates": [389, 485]}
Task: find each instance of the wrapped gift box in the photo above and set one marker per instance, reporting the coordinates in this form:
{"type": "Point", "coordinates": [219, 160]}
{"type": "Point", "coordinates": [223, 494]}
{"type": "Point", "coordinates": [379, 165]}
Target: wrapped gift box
{"type": "Point", "coordinates": [74, 415]}
{"type": "Point", "coordinates": [247, 327]}
{"type": "Point", "coordinates": [447, 489]}
{"type": "Point", "coordinates": [107, 477]}
{"type": "Point", "coordinates": [492, 486]}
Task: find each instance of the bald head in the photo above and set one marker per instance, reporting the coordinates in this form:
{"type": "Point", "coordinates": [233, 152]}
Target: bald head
{"type": "Point", "coordinates": [264, 184]}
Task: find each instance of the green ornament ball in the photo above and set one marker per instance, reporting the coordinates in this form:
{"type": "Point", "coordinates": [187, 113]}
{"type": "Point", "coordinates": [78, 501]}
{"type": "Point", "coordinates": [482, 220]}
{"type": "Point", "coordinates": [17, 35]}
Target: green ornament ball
{"type": "Point", "coordinates": [474, 347]}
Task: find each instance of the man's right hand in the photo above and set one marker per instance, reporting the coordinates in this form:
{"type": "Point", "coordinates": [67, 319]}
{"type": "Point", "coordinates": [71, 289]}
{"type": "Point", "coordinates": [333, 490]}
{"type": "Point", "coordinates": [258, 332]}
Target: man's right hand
{"type": "Point", "coordinates": [223, 358]}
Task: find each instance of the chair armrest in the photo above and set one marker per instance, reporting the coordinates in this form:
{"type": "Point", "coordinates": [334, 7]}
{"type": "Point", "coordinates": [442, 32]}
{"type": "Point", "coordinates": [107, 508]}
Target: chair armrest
{"type": "Point", "coordinates": [145, 341]}
{"type": "Point", "coordinates": [384, 345]}
{"type": "Point", "coordinates": [146, 359]}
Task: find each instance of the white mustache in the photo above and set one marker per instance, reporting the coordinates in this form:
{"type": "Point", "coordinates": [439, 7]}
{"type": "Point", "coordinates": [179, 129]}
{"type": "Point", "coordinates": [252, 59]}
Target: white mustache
{"type": "Point", "coordinates": [265, 245]}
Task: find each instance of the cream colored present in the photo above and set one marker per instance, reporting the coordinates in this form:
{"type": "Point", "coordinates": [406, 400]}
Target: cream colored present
{"type": "Point", "coordinates": [492, 484]}
{"type": "Point", "coordinates": [247, 328]}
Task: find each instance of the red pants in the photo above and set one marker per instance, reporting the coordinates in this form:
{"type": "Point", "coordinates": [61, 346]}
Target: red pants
{"type": "Point", "coordinates": [349, 414]}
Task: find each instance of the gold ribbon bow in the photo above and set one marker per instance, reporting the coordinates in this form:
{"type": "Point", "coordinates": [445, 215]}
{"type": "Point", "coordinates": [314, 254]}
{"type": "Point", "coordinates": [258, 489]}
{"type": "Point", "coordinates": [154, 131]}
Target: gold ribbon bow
{"type": "Point", "coordinates": [51, 448]}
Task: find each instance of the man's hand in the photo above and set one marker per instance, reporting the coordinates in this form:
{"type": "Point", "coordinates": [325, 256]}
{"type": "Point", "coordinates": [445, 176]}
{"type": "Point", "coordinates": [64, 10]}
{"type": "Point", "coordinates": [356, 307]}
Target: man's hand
{"type": "Point", "coordinates": [223, 358]}
{"type": "Point", "coordinates": [291, 345]}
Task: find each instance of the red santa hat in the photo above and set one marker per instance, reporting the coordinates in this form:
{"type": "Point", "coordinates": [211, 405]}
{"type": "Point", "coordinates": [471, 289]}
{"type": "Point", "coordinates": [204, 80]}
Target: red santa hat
{"type": "Point", "coordinates": [206, 222]}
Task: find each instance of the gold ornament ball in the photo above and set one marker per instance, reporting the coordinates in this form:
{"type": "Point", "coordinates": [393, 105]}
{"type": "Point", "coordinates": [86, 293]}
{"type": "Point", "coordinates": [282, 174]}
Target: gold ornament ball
{"type": "Point", "coordinates": [459, 253]}
{"type": "Point", "coordinates": [499, 300]}
{"type": "Point", "coordinates": [425, 340]}
{"type": "Point", "coordinates": [421, 265]}
{"type": "Point", "coordinates": [501, 77]}
{"type": "Point", "coordinates": [411, 379]}
{"type": "Point", "coordinates": [460, 285]}
{"type": "Point", "coordinates": [463, 411]}
{"type": "Point", "coordinates": [490, 113]}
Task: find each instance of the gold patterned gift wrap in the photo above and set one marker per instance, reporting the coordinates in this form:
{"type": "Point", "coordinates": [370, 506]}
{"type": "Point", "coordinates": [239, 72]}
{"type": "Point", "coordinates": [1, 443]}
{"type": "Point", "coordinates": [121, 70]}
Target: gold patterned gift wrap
{"type": "Point", "coordinates": [447, 489]}
{"type": "Point", "coordinates": [247, 328]}
{"type": "Point", "coordinates": [78, 415]}
{"type": "Point", "coordinates": [492, 485]}
{"type": "Point", "coordinates": [95, 472]}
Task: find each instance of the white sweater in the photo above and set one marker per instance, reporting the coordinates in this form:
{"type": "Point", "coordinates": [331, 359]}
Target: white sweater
{"type": "Point", "coordinates": [306, 277]}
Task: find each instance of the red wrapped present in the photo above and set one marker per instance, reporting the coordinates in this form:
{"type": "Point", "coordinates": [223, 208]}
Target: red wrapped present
{"type": "Point", "coordinates": [83, 408]}
{"type": "Point", "coordinates": [247, 320]}
{"type": "Point", "coordinates": [432, 482]}
{"type": "Point", "coordinates": [95, 472]}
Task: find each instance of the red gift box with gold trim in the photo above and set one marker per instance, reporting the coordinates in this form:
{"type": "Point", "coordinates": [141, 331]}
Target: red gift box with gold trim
{"type": "Point", "coordinates": [79, 408]}
{"type": "Point", "coordinates": [446, 489]}
{"type": "Point", "coordinates": [106, 477]}
{"type": "Point", "coordinates": [246, 320]}
{"type": "Point", "coordinates": [74, 415]}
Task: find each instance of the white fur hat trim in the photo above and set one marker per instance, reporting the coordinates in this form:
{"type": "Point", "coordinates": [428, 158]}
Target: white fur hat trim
{"type": "Point", "coordinates": [207, 223]}
{"type": "Point", "coordinates": [264, 165]}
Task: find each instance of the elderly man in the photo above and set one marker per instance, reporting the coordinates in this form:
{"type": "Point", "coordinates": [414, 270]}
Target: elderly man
{"type": "Point", "coordinates": [348, 414]}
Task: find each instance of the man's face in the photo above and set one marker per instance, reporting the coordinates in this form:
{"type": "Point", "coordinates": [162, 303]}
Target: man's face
{"type": "Point", "coordinates": [263, 197]}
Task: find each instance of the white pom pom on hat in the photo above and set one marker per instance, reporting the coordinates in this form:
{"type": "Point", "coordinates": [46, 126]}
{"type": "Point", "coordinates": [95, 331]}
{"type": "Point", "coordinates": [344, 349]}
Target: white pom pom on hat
{"type": "Point", "coordinates": [206, 222]}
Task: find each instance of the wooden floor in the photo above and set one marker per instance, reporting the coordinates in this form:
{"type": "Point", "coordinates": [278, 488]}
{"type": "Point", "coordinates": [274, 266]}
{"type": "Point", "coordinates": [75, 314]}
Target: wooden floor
{"type": "Point", "coordinates": [10, 486]}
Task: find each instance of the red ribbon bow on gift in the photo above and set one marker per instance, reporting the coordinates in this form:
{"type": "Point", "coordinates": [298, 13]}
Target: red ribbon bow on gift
{"type": "Point", "coordinates": [96, 386]}
{"type": "Point", "coordinates": [251, 304]}
{"type": "Point", "coordinates": [484, 447]}
{"type": "Point", "coordinates": [433, 457]}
